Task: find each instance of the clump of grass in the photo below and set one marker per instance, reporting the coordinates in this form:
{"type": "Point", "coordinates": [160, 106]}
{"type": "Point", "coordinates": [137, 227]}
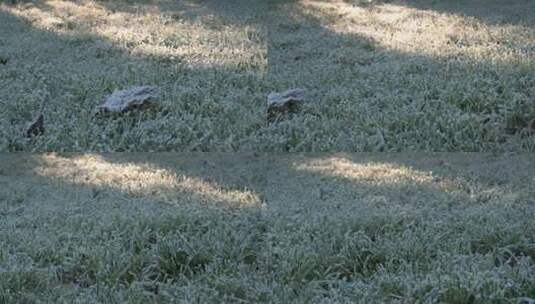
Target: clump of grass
{"type": "Point", "coordinates": [175, 262]}
{"type": "Point", "coordinates": [521, 119]}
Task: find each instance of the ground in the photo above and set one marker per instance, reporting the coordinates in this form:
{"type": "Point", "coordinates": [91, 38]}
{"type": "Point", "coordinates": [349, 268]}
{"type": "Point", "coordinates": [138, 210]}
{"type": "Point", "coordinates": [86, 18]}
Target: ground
{"type": "Point", "coordinates": [259, 224]}
{"type": "Point", "coordinates": [394, 75]}
{"type": "Point", "coordinates": [248, 228]}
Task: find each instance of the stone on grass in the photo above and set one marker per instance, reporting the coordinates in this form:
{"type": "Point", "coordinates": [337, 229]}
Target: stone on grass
{"type": "Point", "coordinates": [37, 127]}
{"type": "Point", "coordinates": [121, 101]}
{"type": "Point", "coordinates": [285, 102]}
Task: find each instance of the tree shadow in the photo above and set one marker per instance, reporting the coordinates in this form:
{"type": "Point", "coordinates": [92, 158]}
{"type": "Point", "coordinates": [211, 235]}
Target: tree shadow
{"type": "Point", "coordinates": [378, 95]}
{"type": "Point", "coordinates": [494, 12]}
{"type": "Point", "coordinates": [309, 203]}
{"type": "Point", "coordinates": [76, 68]}
{"type": "Point", "coordinates": [287, 182]}
{"type": "Point", "coordinates": [290, 183]}
{"type": "Point", "coordinates": [366, 93]}
{"type": "Point", "coordinates": [310, 187]}
{"type": "Point", "coordinates": [174, 180]}
{"type": "Point", "coordinates": [236, 12]}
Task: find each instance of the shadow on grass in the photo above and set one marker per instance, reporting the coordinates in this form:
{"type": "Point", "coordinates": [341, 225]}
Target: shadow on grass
{"type": "Point", "coordinates": [359, 192]}
{"type": "Point", "coordinates": [494, 12]}
{"type": "Point", "coordinates": [375, 97]}
{"type": "Point", "coordinates": [210, 12]}
{"type": "Point", "coordinates": [364, 96]}
{"type": "Point", "coordinates": [71, 69]}
{"type": "Point", "coordinates": [302, 180]}
{"type": "Point", "coordinates": [312, 177]}
{"type": "Point", "coordinates": [348, 217]}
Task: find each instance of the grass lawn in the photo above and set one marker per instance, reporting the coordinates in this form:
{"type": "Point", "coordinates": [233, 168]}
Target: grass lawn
{"type": "Point", "coordinates": [248, 228]}
{"type": "Point", "coordinates": [269, 226]}
{"type": "Point", "coordinates": [380, 75]}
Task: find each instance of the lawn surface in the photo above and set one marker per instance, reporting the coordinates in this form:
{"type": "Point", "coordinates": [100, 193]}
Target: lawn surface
{"type": "Point", "coordinates": [246, 228]}
{"type": "Point", "coordinates": [400, 75]}
{"type": "Point", "coordinates": [381, 76]}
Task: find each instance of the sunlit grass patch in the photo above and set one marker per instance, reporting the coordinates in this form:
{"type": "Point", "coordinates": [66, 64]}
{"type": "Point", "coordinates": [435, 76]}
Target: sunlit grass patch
{"type": "Point", "coordinates": [99, 173]}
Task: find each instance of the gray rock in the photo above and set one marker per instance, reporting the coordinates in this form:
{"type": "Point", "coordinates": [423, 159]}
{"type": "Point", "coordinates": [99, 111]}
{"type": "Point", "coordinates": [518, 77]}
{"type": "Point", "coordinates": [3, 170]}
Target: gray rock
{"type": "Point", "coordinates": [284, 102]}
{"type": "Point", "coordinates": [122, 101]}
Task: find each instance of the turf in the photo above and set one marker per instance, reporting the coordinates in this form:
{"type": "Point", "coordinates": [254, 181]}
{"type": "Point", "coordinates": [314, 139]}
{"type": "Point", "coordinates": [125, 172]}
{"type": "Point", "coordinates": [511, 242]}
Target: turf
{"type": "Point", "coordinates": [249, 228]}
{"type": "Point", "coordinates": [399, 75]}
{"type": "Point", "coordinates": [403, 75]}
